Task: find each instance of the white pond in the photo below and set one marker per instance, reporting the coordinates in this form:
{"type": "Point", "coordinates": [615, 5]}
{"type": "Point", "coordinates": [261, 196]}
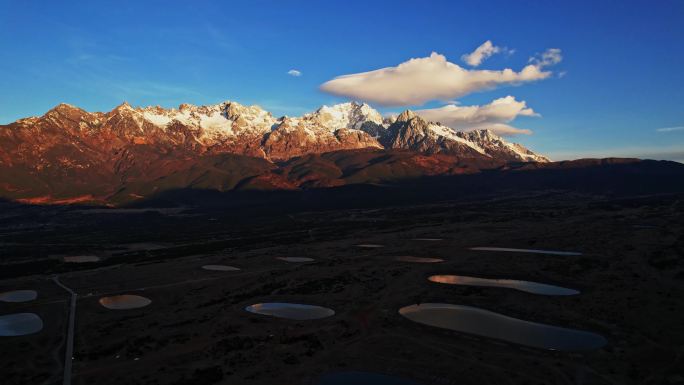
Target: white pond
{"type": "Point", "coordinates": [533, 251]}
{"type": "Point", "coordinates": [18, 296]}
{"type": "Point", "coordinates": [526, 286]}
{"type": "Point", "coordinates": [293, 311]}
{"type": "Point", "coordinates": [20, 324]}
{"type": "Point", "coordinates": [485, 323]}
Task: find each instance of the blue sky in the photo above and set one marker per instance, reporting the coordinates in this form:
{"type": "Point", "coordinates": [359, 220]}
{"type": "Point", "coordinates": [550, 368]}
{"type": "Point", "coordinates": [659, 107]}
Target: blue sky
{"type": "Point", "coordinates": [622, 61]}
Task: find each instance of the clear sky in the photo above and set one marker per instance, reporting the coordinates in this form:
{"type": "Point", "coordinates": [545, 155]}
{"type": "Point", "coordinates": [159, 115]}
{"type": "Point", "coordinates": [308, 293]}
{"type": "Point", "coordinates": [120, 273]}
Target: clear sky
{"type": "Point", "coordinates": [616, 86]}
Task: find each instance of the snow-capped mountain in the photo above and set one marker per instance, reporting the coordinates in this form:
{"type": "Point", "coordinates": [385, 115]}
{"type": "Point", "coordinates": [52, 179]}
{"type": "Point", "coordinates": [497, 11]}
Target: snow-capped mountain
{"type": "Point", "coordinates": [497, 147]}
{"type": "Point", "coordinates": [230, 127]}
{"type": "Point", "coordinates": [147, 149]}
{"type": "Point", "coordinates": [350, 115]}
{"type": "Point", "coordinates": [410, 131]}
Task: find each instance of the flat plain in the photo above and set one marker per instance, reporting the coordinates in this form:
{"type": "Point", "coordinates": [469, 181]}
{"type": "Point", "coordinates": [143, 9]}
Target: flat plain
{"type": "Point", "coordinates": [195, 330]}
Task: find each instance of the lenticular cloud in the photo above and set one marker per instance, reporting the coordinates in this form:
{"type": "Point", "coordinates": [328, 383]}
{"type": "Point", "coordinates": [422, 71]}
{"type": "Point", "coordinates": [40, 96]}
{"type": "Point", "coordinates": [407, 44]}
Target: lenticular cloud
{"type": "Point", "coordinates": [420, 80]}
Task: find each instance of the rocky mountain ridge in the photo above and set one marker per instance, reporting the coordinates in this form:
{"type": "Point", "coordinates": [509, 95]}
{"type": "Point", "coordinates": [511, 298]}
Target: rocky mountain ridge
{"type": "Point", "coordinates": [70, 154]}
{"type": "Point", "coordinates": [230, 127]}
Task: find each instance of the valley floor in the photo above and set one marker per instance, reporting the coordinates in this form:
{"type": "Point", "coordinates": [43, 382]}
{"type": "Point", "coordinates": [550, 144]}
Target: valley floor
{"type": "Point", "coordinates": [195, 331]}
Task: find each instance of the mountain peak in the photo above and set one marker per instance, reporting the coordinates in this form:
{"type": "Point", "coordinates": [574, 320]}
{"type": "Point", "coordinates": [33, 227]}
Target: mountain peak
{"type": "Point", "coordinates": [123, 107]}
{"type": "Point", "coordinates": [348, 107]}
{"type": "Point", "coordinates": [405, 116]}
{"type": "Point", "coordinates": [236, 111]}
{"type": "Point", "coordinates": [64, 109]}
{"type": "Point", "coordinates": [349, 115]}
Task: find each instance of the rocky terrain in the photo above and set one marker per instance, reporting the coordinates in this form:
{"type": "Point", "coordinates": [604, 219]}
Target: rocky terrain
{"type": "Point", "coordinates": [71, 155]}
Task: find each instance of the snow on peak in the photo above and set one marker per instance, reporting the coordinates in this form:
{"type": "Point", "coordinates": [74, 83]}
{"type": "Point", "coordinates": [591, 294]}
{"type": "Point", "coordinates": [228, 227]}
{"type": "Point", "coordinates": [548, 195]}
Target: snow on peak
{"type": "Point", "coordinates": [449, 133]}
{"type": "Point", "coordinates": [494, 143]}
{"type": "Point", "coordinates": [213, 122]}
{"type": "Point", "coordinates": [66, 105]}
{"type": "Point", "coordinates": [351, 115]}
{"type": "Point", "coordinates": [230, 119]}
{"type": "Point", "coordinates": [253, 114]}
{"type": "Point", "coordinates": [230, 123]}
{"type": "Point", "coordinates": [123, 107]}
{"type": "Point", "coordinates": [389, 120]}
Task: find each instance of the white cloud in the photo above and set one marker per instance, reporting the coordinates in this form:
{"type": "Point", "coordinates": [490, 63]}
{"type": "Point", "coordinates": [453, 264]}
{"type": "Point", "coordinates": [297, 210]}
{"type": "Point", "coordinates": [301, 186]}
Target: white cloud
{"type": "Point", "coordinates": [493, 116]}
{"type": "Point", "coordinates": [670, 129]}
{"type": "Point", "coordinates": [502, 129]}
{"type": "Point", "coordinates": [551, 56]}
{"type": "Point", "coordinates": [295, 73]}
{"type": "Point", "coordinates": [482, 52]}
{"type": "Point", "coordinates": [420, 80]}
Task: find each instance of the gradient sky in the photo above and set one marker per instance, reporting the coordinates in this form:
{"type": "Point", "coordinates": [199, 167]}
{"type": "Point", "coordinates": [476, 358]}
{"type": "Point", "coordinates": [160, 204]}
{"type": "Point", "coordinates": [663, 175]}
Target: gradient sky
{"type": "Point", "coordinates": [619, 90]}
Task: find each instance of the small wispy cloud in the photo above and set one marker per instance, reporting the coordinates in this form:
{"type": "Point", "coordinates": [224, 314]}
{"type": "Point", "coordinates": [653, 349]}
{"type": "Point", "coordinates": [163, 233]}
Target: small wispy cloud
{"type": "Point", "coordinates": [670, 129]}
{"type": "Point", "coordinates": [483, 52]}
{"type": "Point", "coordinates": [551, 56]}
{"type": "Point", "coordinates": [295, 73]}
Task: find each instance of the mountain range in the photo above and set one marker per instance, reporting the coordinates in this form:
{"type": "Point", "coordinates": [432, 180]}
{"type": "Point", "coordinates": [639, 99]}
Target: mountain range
{"type": "Point", "coordinates": [131, 155]}
{"type": "Point", "coordinates": [71, 155]}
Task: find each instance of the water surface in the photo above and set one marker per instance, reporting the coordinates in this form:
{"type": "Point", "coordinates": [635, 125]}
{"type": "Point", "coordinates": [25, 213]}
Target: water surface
{"type": "Point", "coordinates": [20, 324]}
{"type": "Point", "coordinates": [412, 259]}
{"type": "Point", "coordinates": [18, 296]}
{"type": "Point", "coordinates": [220, 268]}
{"type": "Point", "coordinates": [362, 378]}
{"type": "Point", "coordinates": [485, 323]}
{"type": "Point", "coordinates": [290, 310]}
{"type": "Point", "coordinates": [526, 286]}
{"type": "Point", "coordinates": [125, 301]}
{"type": "Point", "coordinates": [369, 246]}
{"type": "Point", "coordinates": [534, 251]}
{"type": "Point", "coordinates": [296, 259]}
{"type": "Point", "coordinates": [81, 259]}
{"type": "Point", "coordinates": [428, 239]}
